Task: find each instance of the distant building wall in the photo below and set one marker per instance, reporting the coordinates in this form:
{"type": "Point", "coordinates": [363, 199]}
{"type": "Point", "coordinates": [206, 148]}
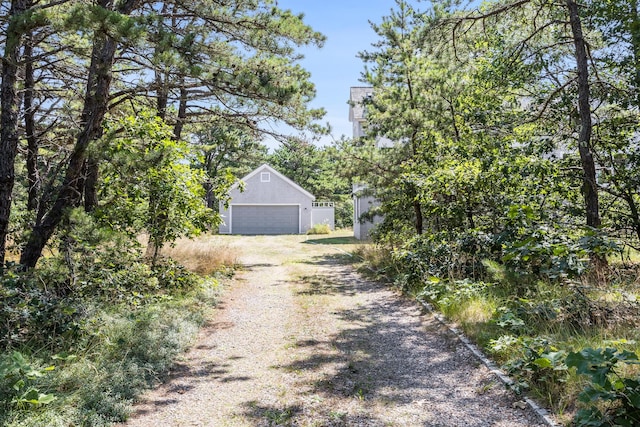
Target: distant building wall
{"type": "Point", "coordinates": [268, 195]}
{"type": "Point", "coordinates": [323, 213]}
{"type": "Point", "coordinates": [361, 205]}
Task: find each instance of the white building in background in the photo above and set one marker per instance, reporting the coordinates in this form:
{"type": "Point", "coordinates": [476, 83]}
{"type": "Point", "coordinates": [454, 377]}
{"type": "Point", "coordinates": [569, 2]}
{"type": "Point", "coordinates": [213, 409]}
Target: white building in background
{"type": "Point", "coordinates": [362, 202]}
{"type": "Point", "coordinates": [271, 203]}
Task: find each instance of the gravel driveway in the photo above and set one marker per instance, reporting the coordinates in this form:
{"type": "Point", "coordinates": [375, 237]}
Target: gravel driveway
{"type": "Point", "coordinates": [300, 339]}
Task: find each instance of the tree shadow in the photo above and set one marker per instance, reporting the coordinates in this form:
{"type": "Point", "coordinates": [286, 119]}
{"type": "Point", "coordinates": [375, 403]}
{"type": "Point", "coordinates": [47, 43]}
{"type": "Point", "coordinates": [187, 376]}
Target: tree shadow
{"type": "Point", "coordinates": [184, 378]}
{"type": "Point", "coordinates": [294, 415]}
{"type": "Point", "coordinates": [393, 354]}
{"type": "Point", "coordinates": [334, 259]}
{"type": "Point", "coordinates": [267, 415]}
{"type": "Point", "coordinates": [347, 240]}
{"type": "Point", "coordinates": [253, 267]}
{"type": "Point", "coordinates": [323, 285]}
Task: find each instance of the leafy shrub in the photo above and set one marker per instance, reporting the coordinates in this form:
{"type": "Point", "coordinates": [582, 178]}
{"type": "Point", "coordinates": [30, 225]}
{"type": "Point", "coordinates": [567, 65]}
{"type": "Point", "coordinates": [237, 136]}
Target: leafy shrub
{"type": "Point", "coordinates": [18, 383]}
{"type": "Point", "coordinates": [37, 314]}
{"type": "Point", "coordinates": [538, 362]}
{"type": "Point", "coordinates": [610, 399]}
{"type": "Point", "coordinates": [49, 305]}
{"type": "Point", "coordinates": [508, 320]}
{"type": "Point", "coordinates": [554, 253]}
{"type": "Point", "coordinates": [173, 276]}
{"type": "Point", "coordinates": [319, 229]}
{"type": "Point", "coordinates": [443, 256]}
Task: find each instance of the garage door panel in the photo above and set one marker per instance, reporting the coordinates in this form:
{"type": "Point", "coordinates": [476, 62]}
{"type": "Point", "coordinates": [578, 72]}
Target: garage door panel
{"type": "Point", "coordinates": [265, 219]}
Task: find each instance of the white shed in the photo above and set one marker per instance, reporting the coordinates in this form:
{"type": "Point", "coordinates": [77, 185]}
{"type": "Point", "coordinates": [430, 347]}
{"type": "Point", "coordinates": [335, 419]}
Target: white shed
{"type": "Point", "coordinates": [271, 203]}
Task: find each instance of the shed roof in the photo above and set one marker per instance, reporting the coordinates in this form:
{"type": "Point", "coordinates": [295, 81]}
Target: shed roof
{"type": "Point", "coordinates": [265, 167]}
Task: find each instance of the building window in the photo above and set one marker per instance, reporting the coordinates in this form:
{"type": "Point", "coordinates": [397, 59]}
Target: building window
{"type": "Point", "coordinates": [265, 177]}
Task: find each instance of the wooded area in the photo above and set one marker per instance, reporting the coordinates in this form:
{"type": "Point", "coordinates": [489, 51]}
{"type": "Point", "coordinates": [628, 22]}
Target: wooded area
{"type": "Point", "coordinates": [511, 193]}
{"type": "Point", "coordinates": [510, 197]}
{"type": "Point", "coordinates": [112, 93]}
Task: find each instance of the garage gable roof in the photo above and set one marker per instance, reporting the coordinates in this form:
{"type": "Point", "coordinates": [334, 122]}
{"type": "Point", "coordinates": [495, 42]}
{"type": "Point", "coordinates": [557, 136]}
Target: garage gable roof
{"type": "Point", "coordinates": [266, 168]}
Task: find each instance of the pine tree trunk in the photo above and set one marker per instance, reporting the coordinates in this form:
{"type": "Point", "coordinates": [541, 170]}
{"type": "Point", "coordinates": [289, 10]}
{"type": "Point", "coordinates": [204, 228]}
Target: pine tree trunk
{"type": "Point", "coordinates": [9, 118]}
{"type": "Point", "coordinates": [182, 113]}
{"type": "Point", "coordinates": [33, 178]}
{"type": "Point", "coordinates": [634, 25]}
{"type": "Point", "coordinates": [92, 171]}
{"type": "Point", "coordinates": [95, 107]}
{"type": "Point", "coordinates": [590, 184]}
{"type": "Point", "coordinates": [589, 187]}
{"type": "Point", "coordinates": [417, 209]}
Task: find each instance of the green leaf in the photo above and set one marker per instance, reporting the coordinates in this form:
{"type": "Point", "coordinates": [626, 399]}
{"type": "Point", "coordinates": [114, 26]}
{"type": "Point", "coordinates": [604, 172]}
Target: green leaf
{"type": "Point", "coordinates": [634, 398]}
{"type": "Point", "coordinates": [543, 362]}
{"type": "Point", "coordinates": [45, 399]}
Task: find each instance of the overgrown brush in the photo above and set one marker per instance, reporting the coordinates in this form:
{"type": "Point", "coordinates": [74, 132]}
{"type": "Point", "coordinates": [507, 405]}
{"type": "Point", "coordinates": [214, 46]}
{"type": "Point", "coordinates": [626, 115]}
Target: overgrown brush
{"type": "Point", "coordinates": [121, 353]}
{"type": "Point", "coordinates": [92, 327]}
{"type": "Point", "coordinates": [204, 256]}
{"type": "Point", "coordinates": [531, 304]}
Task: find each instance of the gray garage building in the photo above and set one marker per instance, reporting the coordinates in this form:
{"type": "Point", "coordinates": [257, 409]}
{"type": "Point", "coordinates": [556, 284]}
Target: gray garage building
{"type": "Point", "coordinates": [271, 203]}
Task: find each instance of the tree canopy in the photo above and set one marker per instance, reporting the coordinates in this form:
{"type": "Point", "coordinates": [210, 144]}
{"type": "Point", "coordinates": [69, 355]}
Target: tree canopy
{"type": "Point", "coordinates": [112, 100]}
{"type": "Point", "coordinates": [509, 106]}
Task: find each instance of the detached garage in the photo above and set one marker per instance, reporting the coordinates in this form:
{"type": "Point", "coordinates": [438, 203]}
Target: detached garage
{"type": "Point", "coordinates": [270, 204]}
{"type": "Point", "coordinates": [266, 219]}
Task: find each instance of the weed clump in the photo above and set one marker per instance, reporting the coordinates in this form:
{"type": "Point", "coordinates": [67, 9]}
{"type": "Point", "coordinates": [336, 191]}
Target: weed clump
{"type": "Point", "coordinates": [319, 229]}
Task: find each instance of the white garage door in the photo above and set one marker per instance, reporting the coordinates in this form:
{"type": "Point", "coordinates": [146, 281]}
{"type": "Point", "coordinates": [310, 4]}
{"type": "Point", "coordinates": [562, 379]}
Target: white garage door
{"type": "Point", "coordinates": [265, 219]}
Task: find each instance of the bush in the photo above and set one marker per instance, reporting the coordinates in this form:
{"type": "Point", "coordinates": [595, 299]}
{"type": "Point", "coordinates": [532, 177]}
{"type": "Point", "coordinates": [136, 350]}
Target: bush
{"type": "Point", "coordinates": [536, 362]}
{"type": "Point", "coordinates": [555, 254]}
{"type": "Point", "coordinates": [442, 256]}
{"type": "Point", "coordinates": [319, 229]}
{"type": "Point", "coordinates": [610, 398]}
{"type": "Point", "coordinates": [40, 315]}
{"type": "Point", "coordinates": [18, 383]}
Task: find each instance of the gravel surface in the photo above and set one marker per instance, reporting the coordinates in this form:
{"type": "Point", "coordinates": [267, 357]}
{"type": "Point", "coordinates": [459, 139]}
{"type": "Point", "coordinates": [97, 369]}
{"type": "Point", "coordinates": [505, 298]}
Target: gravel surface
{"type": "Point", "coordinates": [300, 339]}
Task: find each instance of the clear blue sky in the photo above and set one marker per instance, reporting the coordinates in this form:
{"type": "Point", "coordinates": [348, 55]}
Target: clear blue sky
{"type": "Point", "coordinates": [335, 67]}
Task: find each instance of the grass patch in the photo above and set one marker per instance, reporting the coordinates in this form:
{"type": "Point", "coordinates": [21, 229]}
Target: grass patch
{"type": "Point", "coordinates": [121, 354]}
{"type": "Point", "coordinates": [204, 256]}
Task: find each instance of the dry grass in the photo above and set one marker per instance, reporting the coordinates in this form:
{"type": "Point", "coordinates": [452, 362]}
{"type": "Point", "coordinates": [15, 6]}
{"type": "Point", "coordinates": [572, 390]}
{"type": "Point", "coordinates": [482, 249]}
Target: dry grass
{"type": "Point", "coordinates": [205, 256]}
{"type": "Point", "coordinates": [12, 251]}
{"type": "Point", "coordinates": [12, 256]}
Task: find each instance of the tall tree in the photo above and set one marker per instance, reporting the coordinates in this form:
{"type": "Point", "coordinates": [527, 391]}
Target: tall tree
{"type": "Point", "coordinates": [225, 153]}
{"type": "Point", "coordinates": [545, 39]}
{"type": "Point", "coordinates": [393, 76]}
{"type": "Point", "coordinates": [231, 62]}
{"type": "Point", "coordinates": [9, 108]}
{"type": "Point", "coordinates": [585, 146]}
{"type": "Point", "coordinates": [95, 107]}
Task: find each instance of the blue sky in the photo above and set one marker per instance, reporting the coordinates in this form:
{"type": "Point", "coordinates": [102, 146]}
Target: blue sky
{"type": "Point", "coordinates": [335, 67]}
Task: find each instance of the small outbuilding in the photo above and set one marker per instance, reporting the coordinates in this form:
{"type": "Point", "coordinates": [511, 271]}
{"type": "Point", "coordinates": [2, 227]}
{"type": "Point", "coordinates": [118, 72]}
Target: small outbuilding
{"type": "Point", "coordinates": [271, 203]}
